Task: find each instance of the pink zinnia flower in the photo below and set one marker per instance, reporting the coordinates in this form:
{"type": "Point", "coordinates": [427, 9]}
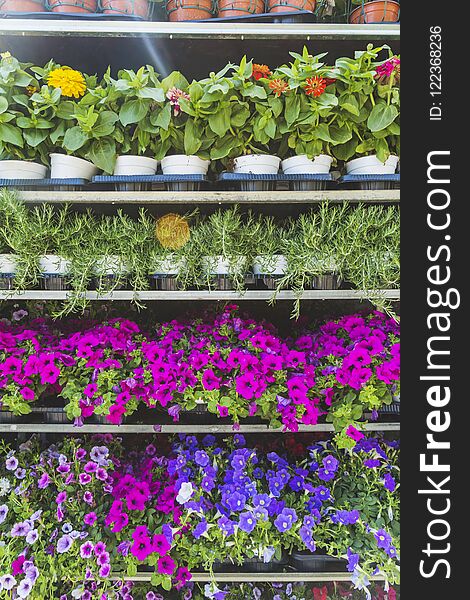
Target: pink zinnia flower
{"type": "Point", "coordinates": [387, 68]}
{"type": "Point", "coordinates": [173, 95]}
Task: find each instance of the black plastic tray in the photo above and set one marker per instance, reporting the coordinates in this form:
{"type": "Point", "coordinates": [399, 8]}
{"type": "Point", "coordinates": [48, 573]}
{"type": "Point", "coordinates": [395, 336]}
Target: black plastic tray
{"type": "Point", "coordinates": [251, 565]}
{"type": "Point", "coordinates": [307, 562]}
{"type": "Point", "coordinates": [68, 16]}
{"type": "Point", "coordinates": [295, 16]}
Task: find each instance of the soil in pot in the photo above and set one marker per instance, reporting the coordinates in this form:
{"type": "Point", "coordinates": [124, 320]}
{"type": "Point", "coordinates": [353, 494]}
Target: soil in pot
{"type": "Point", "coordinates": [73, 6]}
{"type": "Point", "coordinates": [306, 562]}
{"type": "Point", "coordinates": [240, 8]}
{"type": "Point", "coordinates": [188, 10]}
{"type": "Point", "coordinates": [19, 6]}
{"type": "Point", "coordinates": [377, 11]}
{"type": "Point", "coordinates": [279, 6]}
{"type": "Point", "coordinates": [139, 8]}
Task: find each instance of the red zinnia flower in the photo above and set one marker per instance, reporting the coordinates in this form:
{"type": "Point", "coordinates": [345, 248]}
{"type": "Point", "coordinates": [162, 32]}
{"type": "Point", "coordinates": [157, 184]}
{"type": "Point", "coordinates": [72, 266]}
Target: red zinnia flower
{"type": "Point", "coordinates": [315, 86]}
{"type": "Point", "coordinates": [278, 86]}
{"type": "Point", "coordinates": [260, 71]}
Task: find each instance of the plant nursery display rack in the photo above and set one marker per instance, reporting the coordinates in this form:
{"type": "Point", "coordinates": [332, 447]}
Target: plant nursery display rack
{"type": "Point", "coordinates": [192, 48]}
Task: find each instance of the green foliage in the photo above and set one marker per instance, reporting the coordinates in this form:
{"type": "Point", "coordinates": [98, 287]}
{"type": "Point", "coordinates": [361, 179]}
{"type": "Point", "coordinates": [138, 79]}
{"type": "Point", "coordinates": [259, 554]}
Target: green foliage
{"type": "Point", "coordinates": [358, 244]}
{"type": "Point", "coordinates": [228, 114]}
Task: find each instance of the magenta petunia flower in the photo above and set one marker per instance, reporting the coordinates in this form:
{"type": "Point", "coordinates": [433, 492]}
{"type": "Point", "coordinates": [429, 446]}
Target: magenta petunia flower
{"type": "Point", "coordinates": [166, 565]}
{"type": "Point", "coordinates": [90, 519]}
{"type": "Point", "coordinates": [210, 381]}
{"type": "Point", "coordinates": [354, 434]}
{"type": "Point", "coordinates": [160, 544]}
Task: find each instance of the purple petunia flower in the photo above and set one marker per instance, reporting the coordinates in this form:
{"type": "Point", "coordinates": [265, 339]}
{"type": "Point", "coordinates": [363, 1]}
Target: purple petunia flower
{"type": "Point", "coordinates": [236, 502]}
{"type": "Point", "coordinates": [226, 525]}
{"type": "Point", "coordinates": [200, 529]}
{"type": "Point", "coordinates": [282, 523]}
{"type": "Point", "coordinates": [201, 458]}
{"type": "Point", "coordinates": [84, 478]}
{"type": "Point", "coordinates": [389, 482]}
{"type": "Point", "coordinates": [90, 519]}
{"type": "Point", "coordinates": [20, 529]}
{"type": "Point", "coordinates": [86, 549]}
{"type": "Point", "coordinates": [32, 536]}
{"type": "Point", "coordinates": [64, 544]}
{"type": "Point", "coordinates": [44, 481]}
{"type": "Point", "coordinates": [247, 521]}
{"type": "Point", "coordinates": [3, 512]}
{"type": "Point", "coordinates": [100, 547]}
{"type": "Point", "coordinates": [61, 497]}
{"type": "Point", "coordinates": [383, 539]}
{"type": "Point", "coordinates": [7, 582]}
{"type": "Point", "coordinates": [353, 560]}
{"type": "Point", "coordinates": [372, 463]}
{"type": "Point", "coordinates": [11, 463]}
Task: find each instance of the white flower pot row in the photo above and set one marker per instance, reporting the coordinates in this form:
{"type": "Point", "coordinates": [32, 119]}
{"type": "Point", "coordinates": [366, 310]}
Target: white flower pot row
{"type": "Point", "coordinates": [71, 167]}
{"type": "Point", "coordinates": [53, 265]}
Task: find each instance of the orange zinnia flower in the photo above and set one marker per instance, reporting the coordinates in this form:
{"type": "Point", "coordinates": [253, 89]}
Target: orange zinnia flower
{"type": "Point", "coordinates": [261, 71]}
{"type": "Point", "coordinates": [278, 86]}
{"type": "Point", "coordinates": [315, 86]}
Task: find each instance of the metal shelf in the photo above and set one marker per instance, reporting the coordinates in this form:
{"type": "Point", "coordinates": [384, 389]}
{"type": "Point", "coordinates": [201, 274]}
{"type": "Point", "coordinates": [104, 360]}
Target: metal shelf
{"type": "Point", "coordinates": [279, 198]}
{"type": "Point", "coordinates": [235, 30]}
{"type": "Point", "coordinates": [259, 577]}
{"type": "Point", "coordinates": [204, 295]}
{"type": "Point", "coordinates": [167, 429]}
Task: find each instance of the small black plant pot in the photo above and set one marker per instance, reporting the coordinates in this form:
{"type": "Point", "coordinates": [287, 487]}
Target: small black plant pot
{"type": "Point", "coordinates": [307, 562]}
{"type": "Point", "coordinates": [7, 417]}
{"type": "Point", "coordinates": [252, 565]}
{"type": "Point", "coordinates": [6, 282]}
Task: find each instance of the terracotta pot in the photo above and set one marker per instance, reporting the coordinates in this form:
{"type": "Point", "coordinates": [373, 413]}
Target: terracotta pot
{"type": "Point", "coordinates": [16, 6]}
{"type": "Point", "coordinates": [240, 8]}
{"type": "Point", "coordinates": [279, 6]}
{"type": "Point", "coordinates": [189, 10]}
{"type": "Point", "coordinates": [140, 8]}
{"type": "Point", "coordinates": [377, 11]}
{"type": "Point", "coordinates": [73, 6]}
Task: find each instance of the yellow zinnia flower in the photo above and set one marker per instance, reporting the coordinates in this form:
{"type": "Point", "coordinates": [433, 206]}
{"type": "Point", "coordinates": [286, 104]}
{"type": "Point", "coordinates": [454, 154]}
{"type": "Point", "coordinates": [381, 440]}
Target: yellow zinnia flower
{"type": "Point", "coordinates": [71, 82]}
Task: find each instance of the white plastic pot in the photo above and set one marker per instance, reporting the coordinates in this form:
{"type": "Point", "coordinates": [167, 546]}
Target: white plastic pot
{"type": "Point", "coordinates": [111, 265]}
{"type": "Point", "coordinates": [167, 266]}
{"type": "Point", "coordinates": [135, 165]}
{"type": "Point", "coordinates": [302, 164]}
{"type": "Point", "coordinates": [51, 264]}
{"type": "Point", "coordinates": [71, 167]}
{"type": "Point", "coordinates": [371, 165]}
{"type": "Point", "coordinates": [180, 164]}
{"type": "Point", "coordinates": [218, 265]}
{"type": "Point", "coordinates": [7, 264]}
{"type": "Point", "coordinates": [257, 164]}
{"type": "Point", "coordinates": [270, 265]}
{"type": "Point", "coordinates": [21, 169]}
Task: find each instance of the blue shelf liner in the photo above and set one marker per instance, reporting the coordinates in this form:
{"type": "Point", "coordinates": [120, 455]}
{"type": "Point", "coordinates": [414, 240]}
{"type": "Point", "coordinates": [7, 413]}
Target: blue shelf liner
{"type": "Point", "coordinates": [41, 182]}
{"type": "Point", "coordinates": [147, 178]}
{"type": "Point", "coordinates": [275, 177]}
{"type": "Point", "coordinates": [359, 178]}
